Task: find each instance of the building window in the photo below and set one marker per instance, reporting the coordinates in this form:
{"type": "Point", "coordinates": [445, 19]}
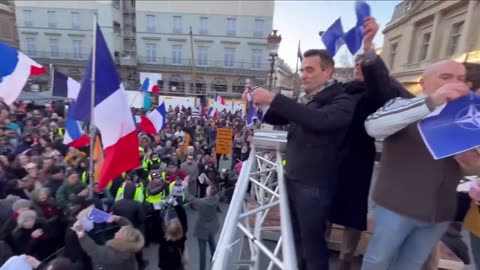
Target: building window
{"type": "Point", "coordinates": [258, 28]}
{"type": "Point", "coordinates": [203, 26]}
{"type": "Point", "coordinates": [219, 85]}
{"type": "Point", "coordinates": [75, 20]}
{"type": "Point", "coordinates": [77, 49]}
{"type": "Point", "coordinates": [117, 28]}
{"type": "Point", "coordinates": [54, 48]}
{"type": "Point", "coordinates": [52, 19]}
{"type": "Point", "coordinates": [231, 27]}
{"type": "Point", "coordinates": [27, 17]}
{"type": "Point", "coordinates": [177, 24]}
{"type": "Point", "coordinates": [256, 59]}
{"type": "Point", "coordinates": [202, 56]}
{"type": "Point", "coordinates": [393, 53]}
{"type": "Point", "coordinates": [177, 54]}
{"type": "Point", "coordinates": [151, 23]}
{"type": "Point", "coordinates": [425, 45]}
{"type": "Point", "coordinates": [151, 52]}
{"type": "Point", "coordinates": [229, 59]}
{"type": "Point", "coordinates": [31, 48]}
{"type": "Point", "coordinates": [455, 35]}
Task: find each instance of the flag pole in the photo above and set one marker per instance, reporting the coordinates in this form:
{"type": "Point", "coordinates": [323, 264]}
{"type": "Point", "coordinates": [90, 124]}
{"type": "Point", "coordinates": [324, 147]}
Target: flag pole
{"type": "Point", "coordinates": [51, 79]}
{"type": "Point", "coordinates": [194, 72]}
{"type": "Point", "coordinates": [92, 105]}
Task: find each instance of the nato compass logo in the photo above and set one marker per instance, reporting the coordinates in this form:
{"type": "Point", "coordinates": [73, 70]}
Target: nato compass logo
{"type": "Point", "coordinates": [469, 117]}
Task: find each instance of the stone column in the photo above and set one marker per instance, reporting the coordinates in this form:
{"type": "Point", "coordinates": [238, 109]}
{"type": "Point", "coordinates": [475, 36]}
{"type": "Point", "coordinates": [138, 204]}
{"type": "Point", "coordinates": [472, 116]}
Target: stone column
{"type": "Point", "coordinates": [433, 38]}
{"type": "Point", "coordinates": [467, 35]}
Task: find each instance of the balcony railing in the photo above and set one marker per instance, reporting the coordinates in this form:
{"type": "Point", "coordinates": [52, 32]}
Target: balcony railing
{"type": "Point", "coordinates": [58, 55]}
{"type": "Point", "coordinates": [215, 64]}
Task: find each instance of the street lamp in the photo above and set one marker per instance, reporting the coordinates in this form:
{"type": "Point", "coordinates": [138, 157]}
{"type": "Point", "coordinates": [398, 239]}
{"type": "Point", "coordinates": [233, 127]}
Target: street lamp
{"type": "Point", "coordinates": [273, 41]}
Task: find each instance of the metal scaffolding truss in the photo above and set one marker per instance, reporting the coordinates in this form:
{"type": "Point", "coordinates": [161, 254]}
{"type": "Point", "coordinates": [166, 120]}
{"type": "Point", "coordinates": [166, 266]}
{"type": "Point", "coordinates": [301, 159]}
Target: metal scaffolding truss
{"type": "Point", "coordinates": [260, 188]}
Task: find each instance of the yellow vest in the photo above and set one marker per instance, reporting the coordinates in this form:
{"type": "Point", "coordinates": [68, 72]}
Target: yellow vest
{"type": "Point", "coordinates": [170, 189]}
{"type": "Point", "coordinates": [60, 132]}
{"type": "Point", "coordinates": [139, 197]}
{"type": "Point", "coordinates": [284, 162]}
{"type": "Point", "coordinates": [472, 220]}
{"type": "Point", "coordinates": [155, 198]}
{"type": "Point", "coordinates": [84, 177]}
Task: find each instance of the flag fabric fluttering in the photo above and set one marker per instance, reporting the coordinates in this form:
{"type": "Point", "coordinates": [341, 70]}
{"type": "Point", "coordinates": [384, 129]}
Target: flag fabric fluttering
{"type": "Point", "coordinates": [154, 121]}
{"type": "Point", "coordinates": [74, 134]}
{"type": "Point", "coordinates": [299, 52]}
{"type": "Point", "coordinates": [64, 86]}
{"type": "Point", "coordinates": [212, 112]}
{"type": "Point", "coordinates": [219, 100]}
{"type": "Point", "coordinates": [196, 113]}
{"type": "Point", "coordinates": [354, 37]}
{"type": "Point", "coordinates": [112, 114]}
{"type": "Point", "coordinates": [149, 86]}
{"type": "Point", "coordinates": [15, 69]}
{"type": "Point", "coordinates": [251, 114]}
{"type": "Point", "coordinates": [334, 37]}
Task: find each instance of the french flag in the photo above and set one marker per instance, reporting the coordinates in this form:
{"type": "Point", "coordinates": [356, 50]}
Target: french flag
{"type": "Point", "coordinates": [154, 121]}
{"type": "Point", "coordinates": [219, 100]}
{"type": "Point", "coordinates": [15, 69]}
{"type": "Point", "coordinates": [148, 86]}
{"type": "Point", "coordinates": [212, 112]}
{"type": "Point", "coordinates": [74, 134]}
{"type": "Point", "coordinates": [112, 114]}
{"type": "Point", "coordinates": [64, 86]}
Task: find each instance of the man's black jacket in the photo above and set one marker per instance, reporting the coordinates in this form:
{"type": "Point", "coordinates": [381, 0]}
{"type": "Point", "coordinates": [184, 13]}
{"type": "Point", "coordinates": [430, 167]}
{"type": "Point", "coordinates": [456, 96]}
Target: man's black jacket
{"type": "Point", "coordinates": [316, 134]}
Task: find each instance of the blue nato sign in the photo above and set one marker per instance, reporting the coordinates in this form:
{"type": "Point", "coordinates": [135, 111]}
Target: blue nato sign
{"type": "Point", "coordinates": [453, 128]}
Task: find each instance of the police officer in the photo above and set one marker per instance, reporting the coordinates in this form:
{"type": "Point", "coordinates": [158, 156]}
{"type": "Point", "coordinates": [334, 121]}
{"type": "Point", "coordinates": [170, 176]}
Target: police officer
{"type": "Point", "coordinates": [155, 196]}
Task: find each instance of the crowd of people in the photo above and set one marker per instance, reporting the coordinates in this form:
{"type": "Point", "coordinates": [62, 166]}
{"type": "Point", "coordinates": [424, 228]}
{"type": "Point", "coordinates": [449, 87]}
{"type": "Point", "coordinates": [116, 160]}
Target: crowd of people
{"type": "Point", "coordinates": [46, 197]}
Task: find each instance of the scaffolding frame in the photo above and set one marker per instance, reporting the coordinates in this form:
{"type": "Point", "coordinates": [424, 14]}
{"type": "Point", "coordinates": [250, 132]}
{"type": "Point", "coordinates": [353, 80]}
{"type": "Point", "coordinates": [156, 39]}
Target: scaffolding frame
{"type": "Point", "coordinates": [263, 173]}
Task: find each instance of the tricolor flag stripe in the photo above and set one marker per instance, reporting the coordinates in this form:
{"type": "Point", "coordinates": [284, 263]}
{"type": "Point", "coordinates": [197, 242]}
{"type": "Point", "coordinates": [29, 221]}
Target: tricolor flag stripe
{"type": "Point", "coordinates": [64, 86]}
{"type": "Point", "coordinates": [15, 69]}
{"type": "Point", "coordinates": [112, 114]}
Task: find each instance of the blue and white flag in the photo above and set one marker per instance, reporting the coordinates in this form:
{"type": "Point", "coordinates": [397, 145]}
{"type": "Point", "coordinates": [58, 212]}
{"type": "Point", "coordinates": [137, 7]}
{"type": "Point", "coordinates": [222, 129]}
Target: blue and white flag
{"type": "Point", "coordinates": [453, 128]}
{"type": "Point", "coordinates": [98, 216]}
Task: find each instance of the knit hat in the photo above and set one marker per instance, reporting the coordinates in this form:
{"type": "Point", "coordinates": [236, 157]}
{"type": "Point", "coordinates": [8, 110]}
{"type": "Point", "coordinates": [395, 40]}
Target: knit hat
{"type": "Point", "coordinates": [24, 216]}
{"type": "Point", "coordinates": [22, 203]}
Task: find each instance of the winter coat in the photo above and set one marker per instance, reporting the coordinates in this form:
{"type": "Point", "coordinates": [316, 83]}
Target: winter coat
{"type": "Point", "coordinates": [350, 202]}
{"type": "Point", "coordinates": [67, 193]}
{"type": "Point", "coordinates": [129, 208]}
{"type": "Point", "coordinates": [24, 243]}
{"type": "Point", "coordinates": [115, 254]}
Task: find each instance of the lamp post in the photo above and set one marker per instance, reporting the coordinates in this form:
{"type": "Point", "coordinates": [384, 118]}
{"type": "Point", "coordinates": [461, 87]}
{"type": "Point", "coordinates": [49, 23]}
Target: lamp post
{"type": "Point", "coordinates": [273, 41]}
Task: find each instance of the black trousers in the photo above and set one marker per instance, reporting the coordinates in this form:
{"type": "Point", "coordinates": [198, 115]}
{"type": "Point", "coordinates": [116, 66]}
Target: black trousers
{"type": "Point", "coordinates": [309, 208]}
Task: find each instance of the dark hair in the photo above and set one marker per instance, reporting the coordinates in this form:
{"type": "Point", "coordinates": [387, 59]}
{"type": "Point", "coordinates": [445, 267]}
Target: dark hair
{"type": "Point", "coordinates": [359, 57]}
{"type": "Point", "coordinates": [62, 264]}
{"type": "Point", "coordinates": [326, 61]}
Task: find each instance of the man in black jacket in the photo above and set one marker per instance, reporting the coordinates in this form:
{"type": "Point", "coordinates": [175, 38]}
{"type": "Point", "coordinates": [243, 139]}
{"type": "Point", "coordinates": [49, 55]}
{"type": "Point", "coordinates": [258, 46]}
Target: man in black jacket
{"type": "Point", "coordinates": [134, 212]}
{"type": "Point", "coordinates": [317, 130]}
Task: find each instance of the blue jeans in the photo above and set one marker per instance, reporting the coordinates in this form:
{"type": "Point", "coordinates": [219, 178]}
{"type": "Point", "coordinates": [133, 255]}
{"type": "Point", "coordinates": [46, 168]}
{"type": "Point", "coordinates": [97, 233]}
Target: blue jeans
{"type": "Point", "coordinates": [475, 244]}
{"type": "Point", "coordinates": [399, 242]}
{"type": "Point", "coordinates": [202, 246]}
